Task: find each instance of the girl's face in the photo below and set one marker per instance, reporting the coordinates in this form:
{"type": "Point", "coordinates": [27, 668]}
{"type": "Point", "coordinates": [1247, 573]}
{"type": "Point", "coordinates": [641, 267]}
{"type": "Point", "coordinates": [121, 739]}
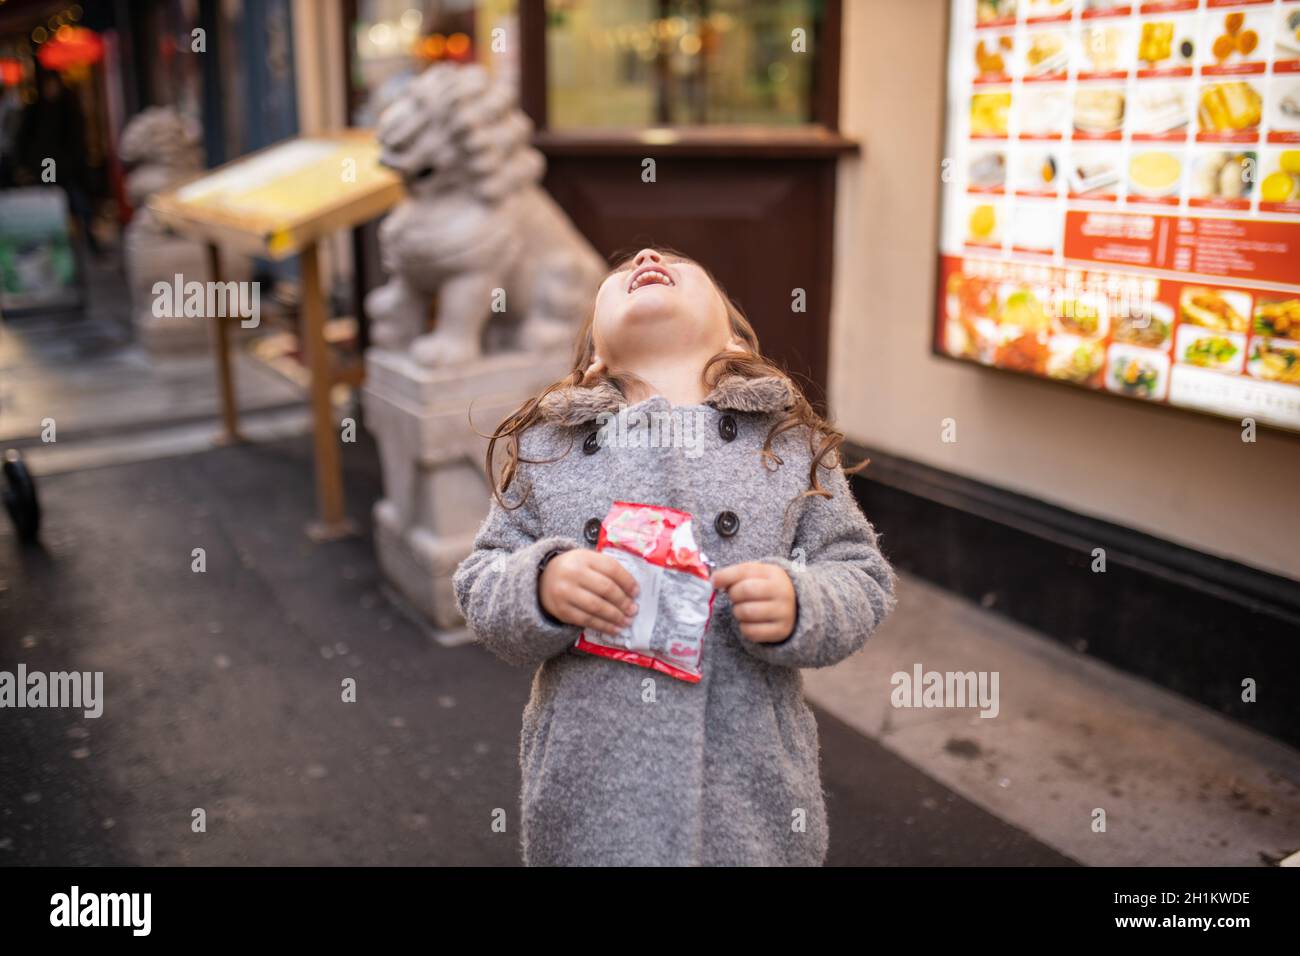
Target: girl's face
{"type": "Point", "coordinates": [658, 306]}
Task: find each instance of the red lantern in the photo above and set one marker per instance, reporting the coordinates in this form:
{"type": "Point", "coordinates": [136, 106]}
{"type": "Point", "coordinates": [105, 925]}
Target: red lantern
{"type": "Point", "coordinates": [11, 72]}
{"type": "Point", "coordinates": [71, 47]}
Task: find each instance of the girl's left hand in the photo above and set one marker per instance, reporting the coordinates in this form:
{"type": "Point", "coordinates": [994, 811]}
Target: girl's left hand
{"type": "Point", "coordinates": [762, 598]}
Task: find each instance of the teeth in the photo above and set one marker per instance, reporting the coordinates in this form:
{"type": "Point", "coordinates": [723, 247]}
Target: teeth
{"type": "Point", "coordinates": [650, 276]}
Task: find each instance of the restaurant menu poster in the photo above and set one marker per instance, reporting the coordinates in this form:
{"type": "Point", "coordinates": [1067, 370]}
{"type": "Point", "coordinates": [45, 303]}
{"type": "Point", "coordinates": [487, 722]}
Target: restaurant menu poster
{"type": "Point", "coordinates": [1121, 199]}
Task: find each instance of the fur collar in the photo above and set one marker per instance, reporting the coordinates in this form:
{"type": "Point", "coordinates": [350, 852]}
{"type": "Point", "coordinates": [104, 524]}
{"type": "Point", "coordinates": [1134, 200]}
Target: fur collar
{"type": "Point", "coordinates": [577, 405]}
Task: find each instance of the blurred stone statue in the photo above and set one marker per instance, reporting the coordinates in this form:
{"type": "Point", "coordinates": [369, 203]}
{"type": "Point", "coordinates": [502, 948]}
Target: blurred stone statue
{"type": "Point", "coordinates": [477, 234]}
{"type": "Point", "coordinates": [162, 149]}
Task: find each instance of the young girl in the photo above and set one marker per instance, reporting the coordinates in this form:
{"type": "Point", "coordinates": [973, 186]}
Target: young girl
{"type": "Point", "coordinates": [623, 765]}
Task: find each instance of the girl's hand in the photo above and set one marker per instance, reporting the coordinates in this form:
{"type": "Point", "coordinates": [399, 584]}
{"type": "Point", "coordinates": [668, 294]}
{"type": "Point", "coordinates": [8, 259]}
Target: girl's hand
{"type": "Point", "coordinates": [762, 598]}
{"type": "Point", "coordinates": [588, 589]}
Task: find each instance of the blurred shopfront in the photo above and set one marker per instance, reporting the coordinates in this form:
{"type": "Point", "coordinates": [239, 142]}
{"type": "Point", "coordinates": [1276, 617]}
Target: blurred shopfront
{"type": "Point", "coordinates": [228, 65]}
{"type": "Point", "coordinates": [60, 187]}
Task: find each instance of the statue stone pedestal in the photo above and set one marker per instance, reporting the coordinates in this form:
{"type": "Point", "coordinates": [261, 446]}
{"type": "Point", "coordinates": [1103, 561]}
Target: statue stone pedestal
{"type": "Point", "coordinates": [154, 255]}
{"type": "Point", "coordinates": [436, 492]}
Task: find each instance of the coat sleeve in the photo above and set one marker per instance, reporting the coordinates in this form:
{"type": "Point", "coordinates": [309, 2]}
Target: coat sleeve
{"type": "Point", "coordinates": [843, 586]}
{"type": "Point", "coordinates": [496, 587]}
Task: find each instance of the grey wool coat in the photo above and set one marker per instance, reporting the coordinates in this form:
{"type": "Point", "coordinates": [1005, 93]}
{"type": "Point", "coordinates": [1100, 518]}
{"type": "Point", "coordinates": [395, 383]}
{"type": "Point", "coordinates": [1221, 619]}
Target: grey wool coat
{"type": "Point", "coordinates": [618, 771]}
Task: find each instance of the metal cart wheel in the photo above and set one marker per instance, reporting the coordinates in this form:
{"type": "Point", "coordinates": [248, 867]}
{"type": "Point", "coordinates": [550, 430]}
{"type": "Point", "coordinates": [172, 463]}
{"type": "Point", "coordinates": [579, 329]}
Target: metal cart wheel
{"type": "Point", "coordinates": [19, 496]}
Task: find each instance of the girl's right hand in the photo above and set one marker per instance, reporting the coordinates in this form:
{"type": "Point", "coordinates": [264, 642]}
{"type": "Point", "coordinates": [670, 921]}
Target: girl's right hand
{"type": "Point", "coordinates": [588, 589]}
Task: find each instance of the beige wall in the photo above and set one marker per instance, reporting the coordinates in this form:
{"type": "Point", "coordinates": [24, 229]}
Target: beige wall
{"type": "Point", "coordinates": [1183, 477]}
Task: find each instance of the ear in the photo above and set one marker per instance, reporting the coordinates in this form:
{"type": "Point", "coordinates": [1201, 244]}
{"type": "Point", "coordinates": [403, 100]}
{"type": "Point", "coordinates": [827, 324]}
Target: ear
{"type": "Point", "coordinates": [594, 371]}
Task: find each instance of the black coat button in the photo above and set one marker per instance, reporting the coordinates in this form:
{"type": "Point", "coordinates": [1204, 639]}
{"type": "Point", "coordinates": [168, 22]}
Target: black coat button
{"type": "Point", "coordinates": [727, 428]}
{"type": "Point", "coordinates": [727, 523]}
{"type": "Point", "coordinates": [591, 530]}
{"type": "Point", "coordinates": [592, 444]}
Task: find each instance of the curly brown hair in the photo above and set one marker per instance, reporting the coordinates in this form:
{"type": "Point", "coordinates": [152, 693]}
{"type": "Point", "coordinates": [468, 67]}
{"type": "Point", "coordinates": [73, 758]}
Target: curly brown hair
{"type": "Point", "coordinates": [824, 440]}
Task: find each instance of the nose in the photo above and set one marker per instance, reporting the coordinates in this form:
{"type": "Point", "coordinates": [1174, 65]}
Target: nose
{"type": "Point", "coordinates": [646, 256]}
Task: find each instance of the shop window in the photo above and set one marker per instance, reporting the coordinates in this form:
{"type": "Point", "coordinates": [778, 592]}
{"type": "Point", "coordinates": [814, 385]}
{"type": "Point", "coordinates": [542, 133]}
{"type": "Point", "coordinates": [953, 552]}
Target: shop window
{"type": "Point", "coordinates": [636, 63]}
{"type": "Point", "coordinates": [392, 40]}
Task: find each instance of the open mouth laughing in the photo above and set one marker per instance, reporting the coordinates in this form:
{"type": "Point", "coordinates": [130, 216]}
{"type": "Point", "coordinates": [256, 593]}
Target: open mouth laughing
{"type": "Point", "coordinates": [649, 275]}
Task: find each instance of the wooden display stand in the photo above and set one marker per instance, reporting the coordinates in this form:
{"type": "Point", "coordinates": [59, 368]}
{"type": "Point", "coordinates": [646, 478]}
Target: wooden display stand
{"type": "Point", "coordinates": [276, 203]}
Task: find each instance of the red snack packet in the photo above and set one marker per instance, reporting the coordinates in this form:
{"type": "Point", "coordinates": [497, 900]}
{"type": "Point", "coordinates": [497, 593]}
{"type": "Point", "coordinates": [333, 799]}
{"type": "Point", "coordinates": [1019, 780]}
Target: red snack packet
{"type": "Point", "coordinates": [657, 546]}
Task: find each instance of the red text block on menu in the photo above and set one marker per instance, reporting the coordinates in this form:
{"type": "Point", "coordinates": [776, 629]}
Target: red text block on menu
{"type": "Point", "coordinates": [1234, 248]}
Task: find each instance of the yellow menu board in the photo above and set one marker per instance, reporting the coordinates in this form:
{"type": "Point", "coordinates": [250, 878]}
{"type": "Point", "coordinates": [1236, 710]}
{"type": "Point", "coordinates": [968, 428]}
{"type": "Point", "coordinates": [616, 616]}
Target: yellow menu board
{"type": "Point", "coordinates": [274, 201]}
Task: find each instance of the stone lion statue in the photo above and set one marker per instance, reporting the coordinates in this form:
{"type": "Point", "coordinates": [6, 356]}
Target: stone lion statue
{"type": "Point", "coordinates": [161, 149]}
{"type": "Point", "coordinates": [477, 234]}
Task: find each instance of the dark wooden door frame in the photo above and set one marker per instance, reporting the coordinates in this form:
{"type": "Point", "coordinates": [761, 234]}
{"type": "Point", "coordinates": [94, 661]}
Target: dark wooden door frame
{"type": "Point", "coordinates": [826, 72]}
{"type": "Point", "coordinates": [532, 61]}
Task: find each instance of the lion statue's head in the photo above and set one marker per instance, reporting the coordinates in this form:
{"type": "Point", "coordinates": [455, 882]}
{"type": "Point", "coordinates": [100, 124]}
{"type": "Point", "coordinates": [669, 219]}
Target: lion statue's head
{"type": "Point", "coordinates": [455, 127]}
{"type": "Point", "coordinates": [162, 147]}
